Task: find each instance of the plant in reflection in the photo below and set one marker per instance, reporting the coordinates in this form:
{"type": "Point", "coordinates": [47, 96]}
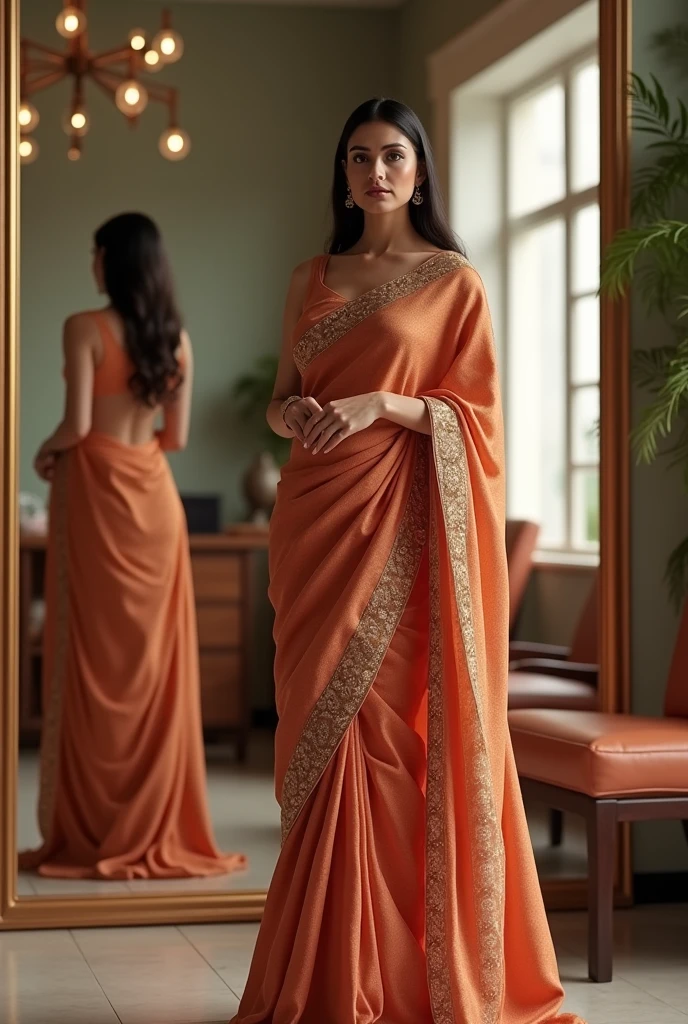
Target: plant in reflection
{"type": "Point", "coordinates": [253, 393]}
{"type": "Point", "coordinates": [653, 254]}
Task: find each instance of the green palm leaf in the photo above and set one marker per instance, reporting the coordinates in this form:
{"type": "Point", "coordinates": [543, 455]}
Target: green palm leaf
{"type": "Point", "coordinates": [649, 366]}
{"type": "Point", "coordinates": [653, 255]}
{"type": "Point", "coordinates": [665, 240]}
{"type": "Point", "coordinates": [658, 418]}
{"type": "Point", "coordinates": [676, 574]}
{"type": "Point", "coordinates": [657, 187]}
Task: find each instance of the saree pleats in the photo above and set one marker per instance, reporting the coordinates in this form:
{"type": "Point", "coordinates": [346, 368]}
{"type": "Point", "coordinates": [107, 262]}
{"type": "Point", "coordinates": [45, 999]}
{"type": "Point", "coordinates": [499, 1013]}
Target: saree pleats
{"type": "Point", "coordinates": [406, 890]}
{"type": "Point", "coordinates": [344, 942]}
{"type": "Point", "coordinates": [123, 786]}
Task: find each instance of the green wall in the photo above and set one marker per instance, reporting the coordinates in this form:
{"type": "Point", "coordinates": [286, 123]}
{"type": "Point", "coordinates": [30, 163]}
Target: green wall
{"type": "Point", "coordinates": [659, 507]}
{"type": "Point", "coordinates": [264, 94]}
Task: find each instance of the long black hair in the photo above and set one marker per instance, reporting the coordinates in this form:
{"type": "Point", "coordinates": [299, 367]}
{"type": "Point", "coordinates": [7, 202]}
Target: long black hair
{"type": "Point", "coordinates": [138, 281]}
{"type": "Point", "coordinates": [429, 219]}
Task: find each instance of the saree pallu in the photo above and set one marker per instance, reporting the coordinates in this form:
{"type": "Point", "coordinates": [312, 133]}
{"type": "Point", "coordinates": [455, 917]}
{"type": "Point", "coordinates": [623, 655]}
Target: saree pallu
{"type": "Point", "coordinates": [406, 889]}
{"type": "Point", "coordinates": [123, 785]}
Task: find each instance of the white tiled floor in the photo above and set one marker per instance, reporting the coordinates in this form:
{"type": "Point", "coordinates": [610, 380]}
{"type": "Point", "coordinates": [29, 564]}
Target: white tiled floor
{"type": "Point", "coordinates": [195, 974]}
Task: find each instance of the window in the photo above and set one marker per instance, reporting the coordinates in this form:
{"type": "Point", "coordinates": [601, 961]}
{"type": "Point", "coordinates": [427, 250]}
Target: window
{"type": "Point", "coordinates": [551, 276]}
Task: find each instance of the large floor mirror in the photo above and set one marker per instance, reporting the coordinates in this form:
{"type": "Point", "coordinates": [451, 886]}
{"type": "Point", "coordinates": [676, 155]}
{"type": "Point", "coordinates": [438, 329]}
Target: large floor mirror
{"type": "Point", "coordinates": [551, 158]}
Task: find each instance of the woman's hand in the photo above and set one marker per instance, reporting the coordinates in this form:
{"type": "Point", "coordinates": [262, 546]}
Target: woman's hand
{"type": "Point", "coordinates": [342, 418]}
{"type": "Point", "coordinates": [44, 463]}
{"type": "Point", "coordinates": [298, 414]}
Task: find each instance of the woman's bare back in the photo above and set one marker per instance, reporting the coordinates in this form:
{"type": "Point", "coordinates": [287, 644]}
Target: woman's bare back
{"type": "Point", "coordinates": [122, 416]}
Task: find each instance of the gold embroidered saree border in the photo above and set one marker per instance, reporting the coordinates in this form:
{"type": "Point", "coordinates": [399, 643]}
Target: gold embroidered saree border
{"type": "Point", "coordinates": [436, 939]}
{"type": "Point", "coordinates": [486, 841]}
{"type": "Point", "coordinates": [338, 323]}
{"type": "Point", "coordinates": [346, 691]}
{"type": "Point", "coordinates": [50, 740]}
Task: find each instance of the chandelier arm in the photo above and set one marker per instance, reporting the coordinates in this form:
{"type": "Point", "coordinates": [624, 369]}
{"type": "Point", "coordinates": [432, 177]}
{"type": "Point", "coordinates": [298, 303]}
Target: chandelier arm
{"type": "Point", "coordinates": [54, 56]}
{"type": "Point", "coordinates": [31, 66]}
{"type": "Point", "coordinates": [44, 82]}
{"type": "Point", "coordinates": [160, 93]}
{"type": "Point", "coordinates": [117, 56]}
{"type": "Point", "coordinates": [111, 79]}
{"type": "Point", "coordinates": [104, 86]}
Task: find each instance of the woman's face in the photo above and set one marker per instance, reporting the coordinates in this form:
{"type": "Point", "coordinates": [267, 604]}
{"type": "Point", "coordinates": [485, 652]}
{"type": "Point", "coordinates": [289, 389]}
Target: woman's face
{"type": "Point", "coordinates": [382, 168]}
{"type": "Point", "coordinates": [98, 270]}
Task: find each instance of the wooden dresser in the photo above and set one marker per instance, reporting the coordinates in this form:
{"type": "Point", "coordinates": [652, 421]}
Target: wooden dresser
{"type": "Point", "coordinates": [223, 574]}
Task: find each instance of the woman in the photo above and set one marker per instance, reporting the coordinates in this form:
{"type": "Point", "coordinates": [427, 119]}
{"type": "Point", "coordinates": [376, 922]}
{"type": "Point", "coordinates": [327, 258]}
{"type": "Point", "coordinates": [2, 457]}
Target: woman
{"type": "Point", "coordinates": [406, 891]}
{"type": "Point", "coordinates": [123, 787]}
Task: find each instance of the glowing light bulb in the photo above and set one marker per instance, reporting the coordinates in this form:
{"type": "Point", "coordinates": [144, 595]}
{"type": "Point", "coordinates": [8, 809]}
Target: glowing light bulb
{"type": "Point", "coordinates": [153, 60]}
{"type": "Point", "coordinates": [70, 22]}
{"type": "Point", "coordinates": [28, 150]}
{"type": "Point", "coordinates": [169, 45]}
{"type": "Point", "coordinates": [131, 97]}
{"type": "Point", "coordinates": [137, 39]}
{"type": "Point", "coordinates": [174, 144]}
{"type": "Point", "coordinates": [76, 121]}
{"type": "Point", "coordinates": [28, 117]}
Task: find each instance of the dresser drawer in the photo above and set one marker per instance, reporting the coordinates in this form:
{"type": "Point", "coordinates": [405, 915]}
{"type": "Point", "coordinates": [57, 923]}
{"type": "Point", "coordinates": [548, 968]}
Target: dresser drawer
{"type": "Point", "coordinates": [217, 577]}
{"type": "Point", "coordinates": [221, 697]}
{"type": "Point", "coordinates": [219, 625]}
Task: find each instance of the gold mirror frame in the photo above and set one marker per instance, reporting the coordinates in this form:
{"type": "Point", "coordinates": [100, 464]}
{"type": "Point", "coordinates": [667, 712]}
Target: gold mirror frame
{"type": "Point", "coordinates": [65, 912]}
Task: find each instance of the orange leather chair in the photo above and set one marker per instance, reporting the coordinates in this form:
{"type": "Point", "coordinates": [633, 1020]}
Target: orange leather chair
{"type": "Point", "coordinates": [608, 768]}
{"type": "Point", "coordinates": [521, 538]}
{"type": "Point", "coordinates": [545, 676]}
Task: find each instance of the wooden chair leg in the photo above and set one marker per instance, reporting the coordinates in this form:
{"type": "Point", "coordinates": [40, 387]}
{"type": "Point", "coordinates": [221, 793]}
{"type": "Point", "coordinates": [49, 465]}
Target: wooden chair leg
{"type": "Point", "coordinates": [556, 827]}
{"type": "Point", "coordinates": [601, 827]}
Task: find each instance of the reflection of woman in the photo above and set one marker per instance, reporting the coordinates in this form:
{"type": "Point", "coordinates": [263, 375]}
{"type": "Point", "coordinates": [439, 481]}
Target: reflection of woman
{"type": "Point", "coordinates": [123, 789]}
{"type": "Point", "coordinates": [406, 890]}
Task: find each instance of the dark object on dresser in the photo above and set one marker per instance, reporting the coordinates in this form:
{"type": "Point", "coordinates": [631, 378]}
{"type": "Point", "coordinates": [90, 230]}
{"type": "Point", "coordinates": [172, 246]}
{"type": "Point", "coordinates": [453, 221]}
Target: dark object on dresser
{"type": "Point", "coordinates": [202, 512]}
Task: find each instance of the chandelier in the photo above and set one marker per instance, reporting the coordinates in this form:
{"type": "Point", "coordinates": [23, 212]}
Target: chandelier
{"type": "Point", "coordinates": [116, 72]}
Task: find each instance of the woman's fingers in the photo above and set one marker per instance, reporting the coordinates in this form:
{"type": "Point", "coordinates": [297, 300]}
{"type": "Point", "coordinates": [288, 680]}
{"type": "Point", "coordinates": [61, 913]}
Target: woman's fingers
{"type": "Point", "coordinates": [296, 423]}
{"type": "Point", "coordinates": [319, 429]}
{"type": "Point", "coordinates": [329, 431]}
{"type": "Point", "coordinates": [336, 439]}
{"type": "Point", "coordinates": [299, 415]}
{"type": "Point", "coordinates": [315, 421]}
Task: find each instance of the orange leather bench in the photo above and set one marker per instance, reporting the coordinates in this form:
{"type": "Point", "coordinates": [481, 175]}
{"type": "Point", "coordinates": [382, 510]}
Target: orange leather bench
{"type": "Point", "coordinates": [608, 768]}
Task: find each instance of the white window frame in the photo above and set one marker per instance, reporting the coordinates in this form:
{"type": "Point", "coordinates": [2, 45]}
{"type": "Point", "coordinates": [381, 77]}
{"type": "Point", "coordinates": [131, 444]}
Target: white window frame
{"type": "Point", "coordinates": [564, 209]}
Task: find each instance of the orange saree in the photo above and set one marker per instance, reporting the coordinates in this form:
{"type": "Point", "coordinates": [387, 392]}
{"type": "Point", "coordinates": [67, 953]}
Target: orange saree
{"type": "Point", "coordinates": [406, 890]}
{"type": "Point", "coordinates": [123, 787]}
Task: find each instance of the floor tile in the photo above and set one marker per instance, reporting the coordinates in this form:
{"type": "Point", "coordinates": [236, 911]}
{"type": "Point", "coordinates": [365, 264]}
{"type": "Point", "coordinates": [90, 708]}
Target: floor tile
{"type": "Point", "coordinates": [44, 978]}
{"type": "Point", "coordinates": [155, 974]}
{"type": "Point", "coordinates": [228, 951]}
{"type": "Point", "coordinates": [194, 974]}
{"type": "Point", "coordinates": [25, 884]}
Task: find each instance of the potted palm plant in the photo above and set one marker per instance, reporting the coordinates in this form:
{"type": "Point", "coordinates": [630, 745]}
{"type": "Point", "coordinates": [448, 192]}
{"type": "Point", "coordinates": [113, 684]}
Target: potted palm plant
{"type": "Point", "coordinates": [653, 254]}
{"type": "Point", "coordinates": [252, 392]}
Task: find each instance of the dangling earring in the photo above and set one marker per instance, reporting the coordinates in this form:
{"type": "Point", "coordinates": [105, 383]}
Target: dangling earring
{"type": "Point", "coordinates": [349, 202]}
{"type": "Point", "coordinates": [417, 197]}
